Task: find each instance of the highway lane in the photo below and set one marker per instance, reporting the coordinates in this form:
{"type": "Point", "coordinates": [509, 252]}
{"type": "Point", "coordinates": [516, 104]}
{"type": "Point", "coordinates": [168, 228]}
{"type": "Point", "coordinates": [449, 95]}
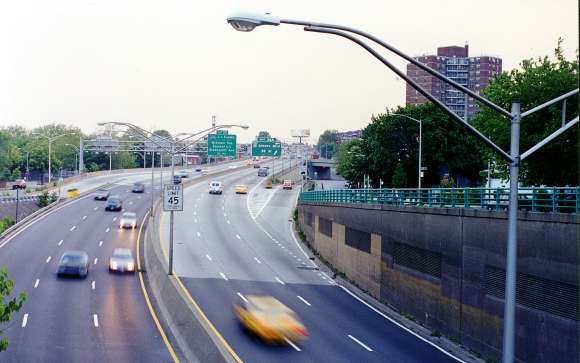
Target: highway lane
{"type": "Point", "coordinates": [235, 253]}
{"type": "Point", "coordinates": [100, 318]}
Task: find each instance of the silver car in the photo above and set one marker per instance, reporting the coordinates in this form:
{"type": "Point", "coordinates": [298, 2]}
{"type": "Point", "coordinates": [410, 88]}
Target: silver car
{"type": "Point", "coordinates": [128, 220]}
{"type": "Point", "coordinates": [122, 261]}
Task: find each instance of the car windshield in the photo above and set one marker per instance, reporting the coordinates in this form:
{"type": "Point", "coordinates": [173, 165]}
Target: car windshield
{"type": "Point", "coordinates": [122, 253]}
{"type": "Point", "coordinates": [129, 215]}
{"type": "Point", "coordinates": [71, 259]}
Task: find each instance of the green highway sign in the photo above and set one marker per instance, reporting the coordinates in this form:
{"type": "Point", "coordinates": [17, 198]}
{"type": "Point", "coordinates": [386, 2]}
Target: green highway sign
{"type": "Point", "coordinates": [222, 132]}
{"type": "Point", "coordinates": [221, 145]}
{"type": "Point", "coordinates": [266, 146]}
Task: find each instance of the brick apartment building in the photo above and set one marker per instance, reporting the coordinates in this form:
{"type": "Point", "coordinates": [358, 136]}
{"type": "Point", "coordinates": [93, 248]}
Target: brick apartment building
{"type": "Point", "coordinates": [454, 62]}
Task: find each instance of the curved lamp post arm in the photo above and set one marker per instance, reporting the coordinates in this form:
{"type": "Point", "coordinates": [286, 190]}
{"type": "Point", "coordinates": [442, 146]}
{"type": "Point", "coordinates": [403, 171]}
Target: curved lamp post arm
{"type": "Point", "coordinates": [142, 132]}
{"type": "Point", "coordinates": [427, 95]}
{"type": "Point", "coordinates": [191, 142]}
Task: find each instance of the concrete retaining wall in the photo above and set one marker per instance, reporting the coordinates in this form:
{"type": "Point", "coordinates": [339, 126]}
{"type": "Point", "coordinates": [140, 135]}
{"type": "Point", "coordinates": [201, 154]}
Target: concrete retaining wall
{"type": "Point", "coordinates": [445, 267]}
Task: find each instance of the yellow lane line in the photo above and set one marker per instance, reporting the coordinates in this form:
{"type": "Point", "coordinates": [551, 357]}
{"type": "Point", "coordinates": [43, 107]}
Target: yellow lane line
{"type": "Point", "coordinates": [146, 295]}
{"type": "Point", "coordinates": [193, 302]}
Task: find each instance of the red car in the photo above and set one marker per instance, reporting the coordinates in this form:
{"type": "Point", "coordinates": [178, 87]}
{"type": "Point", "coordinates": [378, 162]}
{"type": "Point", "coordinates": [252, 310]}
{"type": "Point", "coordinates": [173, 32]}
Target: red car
{"type": "Point", "coordinates": [19, 184]}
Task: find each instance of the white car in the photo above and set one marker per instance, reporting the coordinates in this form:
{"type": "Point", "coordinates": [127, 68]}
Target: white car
{"type": "Point", "coordinates": [128, 220]}
{"type": "Point", "coordinates": [183, 173]}
{"type": "Point", "coordinates": [216, 187]}
{"type": "Point", "coordinates": [122, 261]}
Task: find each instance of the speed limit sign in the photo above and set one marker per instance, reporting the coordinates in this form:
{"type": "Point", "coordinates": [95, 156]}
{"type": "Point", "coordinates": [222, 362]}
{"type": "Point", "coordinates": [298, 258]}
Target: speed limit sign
{"type": "Point", "coordinates": [172, 197]}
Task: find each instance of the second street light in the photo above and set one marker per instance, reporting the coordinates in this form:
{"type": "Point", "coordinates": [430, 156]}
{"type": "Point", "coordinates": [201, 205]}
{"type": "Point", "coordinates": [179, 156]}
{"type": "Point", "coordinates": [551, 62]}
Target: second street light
{"type": "Point", "coordinates": [50, 139]}
{"type": "Point", "coordinates": [246, 22]}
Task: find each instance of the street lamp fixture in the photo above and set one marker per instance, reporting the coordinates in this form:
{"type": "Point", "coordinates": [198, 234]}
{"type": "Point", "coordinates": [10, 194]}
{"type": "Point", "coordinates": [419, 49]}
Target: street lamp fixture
{"type": "Point", "coordinates": [247, 22]}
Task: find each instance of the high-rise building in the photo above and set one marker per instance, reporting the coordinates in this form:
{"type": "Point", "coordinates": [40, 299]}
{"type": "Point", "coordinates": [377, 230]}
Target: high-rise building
{"type": "Point", "coordinates": [453, 62]}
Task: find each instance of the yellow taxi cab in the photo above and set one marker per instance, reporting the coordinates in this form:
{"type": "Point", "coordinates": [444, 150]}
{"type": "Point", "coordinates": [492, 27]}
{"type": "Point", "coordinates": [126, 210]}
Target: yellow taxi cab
{"type": "Point", "coordinates": [73, 193]}
{"type": "Point", "coordinates": [270, 320]}
{"type": "Point", "coordinates": [241, 189]}
{"type": "Point", "coordinates": [268, 183]}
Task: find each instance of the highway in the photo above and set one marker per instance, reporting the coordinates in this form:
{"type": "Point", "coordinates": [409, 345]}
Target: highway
{"type": "Point", "coordinates": [229, 246]}
{"type": "Point", "coordinates": [103, 317]}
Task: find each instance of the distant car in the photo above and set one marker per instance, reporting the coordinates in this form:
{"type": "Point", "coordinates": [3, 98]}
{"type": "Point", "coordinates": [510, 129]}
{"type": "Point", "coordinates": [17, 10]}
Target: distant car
{"type": "Point", "coordinates": [287, 185]}
{"type": "Point", "coordinates": [266, 167]}
{"type": "Point", "coordinates": [114, 203]}
{"type": "Point", "coordinates": [74, 263]}
{"type": "Point", "coordinates": [215, 187]}
{"type": "Point", "coordinates": [19, 184]}
{"type": "Point", "coordinates": [183, 174]}
{"type": "Point", "coordinates": [102, 194]}
{"type": "Point", "coordinates": [198, 169]}
{"type": "Point", "coordinates": [138, 188]}
{"type": "Point", "coordinates": [122, 261]}
{"type": "Point", "coordinates": [263, 172]}
{"type": "Point", "coordinates": [241, 189]}
{"type": "Point", "coordinates": [204, 172]}
{"type": "Point", "coordinates": [256, 166]}
{"type": "Point", "coordinates": [176, 179]}
{"type": "Point", "coordinates": [128, 220]}
{"type": "Point", "coordinates": [270, 320]}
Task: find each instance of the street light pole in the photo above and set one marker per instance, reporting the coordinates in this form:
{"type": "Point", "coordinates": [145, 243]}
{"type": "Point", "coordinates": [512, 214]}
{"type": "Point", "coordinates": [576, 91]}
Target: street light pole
{"type": "Point", "coordinates": [50, 140]}
{"type": "Point", "coordinates": [171, 212]}
{"type": "Point", "coordinates": [248, 22]}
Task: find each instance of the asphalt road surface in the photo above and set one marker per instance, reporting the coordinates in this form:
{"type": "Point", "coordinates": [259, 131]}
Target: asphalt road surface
{"type": "Point", "coordinates": [230, 245]}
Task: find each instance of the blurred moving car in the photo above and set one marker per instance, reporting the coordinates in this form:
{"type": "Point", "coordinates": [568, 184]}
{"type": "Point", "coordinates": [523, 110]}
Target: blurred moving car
{"type": "Point", "coordinates": [176, 179]}
{"type": "Point", "coordinates": [287, 185]}
{"type": "Point", "coordinates": [74, 263]}
{"type": "Point", "coordinates": [138, 188]}
{"type": "Point", "coordinates": [19, 184]}
{"type": "Point", "coordinates": [215, 187]}
{"type": "Point", "coordinates": [183, 174]}
{"type": "Point", "coordinates": [241, 189]}
{"type": "Point", "coordinates": [102, 194]}
{"type": "Point", "coordinates": [122, 261]}
{"type": "Point", "coordinates": [263, 172]}
{"type": "Point", "coordinates": [128, 220]}
{"type": "Point", "coordinates": [269, 183]}
{"type": "Point", "coordinates": [114, 203]}
{"type": "Point", "coordinates": [270, 320]}
{"type": "Point", "coordinates": [198, 169]}
{"type": "Point", "coordinates": [256, 166]}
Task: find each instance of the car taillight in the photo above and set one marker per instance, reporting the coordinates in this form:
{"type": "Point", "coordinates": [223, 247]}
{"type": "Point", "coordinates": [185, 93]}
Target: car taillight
{"type": "Point", "coordinates": [300, 330]}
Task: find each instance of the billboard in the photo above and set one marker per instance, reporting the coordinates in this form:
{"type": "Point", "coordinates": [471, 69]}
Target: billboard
{"type": "Point", "coordinates": [300, 132]}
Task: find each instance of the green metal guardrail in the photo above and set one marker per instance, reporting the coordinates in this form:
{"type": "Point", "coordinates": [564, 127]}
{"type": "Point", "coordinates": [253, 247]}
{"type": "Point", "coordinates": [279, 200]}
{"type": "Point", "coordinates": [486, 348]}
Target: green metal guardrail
{"type": "Point", "coordinates": [552, 199]}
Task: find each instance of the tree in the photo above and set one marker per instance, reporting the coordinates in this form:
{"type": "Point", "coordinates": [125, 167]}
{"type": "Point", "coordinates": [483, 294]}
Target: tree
{"type": "Point", "coordinates": [327, 143]}
{"type": "Point", "coordinates": [8, 308]}
{"type": "Point", "coordinates": [264, 134]}
{"type": "Point", "coordinates": [399, 176]}
{"type": "Point", "coordinates": [537, 81]}
{"type": "Point", "coordinates": [351, 162]}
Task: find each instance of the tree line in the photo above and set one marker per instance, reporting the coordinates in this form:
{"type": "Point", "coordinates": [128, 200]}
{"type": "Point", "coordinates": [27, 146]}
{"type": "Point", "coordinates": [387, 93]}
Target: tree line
{"type": "Point", "coordinates": [388, 150]}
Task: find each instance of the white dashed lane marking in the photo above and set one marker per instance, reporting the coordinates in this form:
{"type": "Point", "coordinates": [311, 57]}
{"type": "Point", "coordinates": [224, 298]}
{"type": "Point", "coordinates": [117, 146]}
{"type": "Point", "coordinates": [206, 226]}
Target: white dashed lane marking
{"type": "Point", "coordinates": [257, 260]}
{"type": "Point", "coordinates": [304, 300]}
{"type": "Point", "coordinates": [223, 275]}
{"type": "Point", "coordinates": [208, 257]}
{"type": "Point", "coordinates": [60, 242]}
{"type": "Point", "coordinates": [73, 228]}
{"type": "Point", "coordinates": [96, 260]}
{"type": "Point", "coordinates": [36, 283]}
{"type": "Point", "coordinates": [96, 320]}
{"type": "Point", "coordinates": [48, 259]}
{"type": "Point", "coordinates": [242, 297]}
{"type": "Point", "coordinates": [25, 320]}
{"type": "Point", "coordinates": [360, 343]}
{"type": "Point", "coordinates": [84, 217]}
{"type": "Point", "coordinates": [100, 243]}
{"type": "Point", "coordinates": [280, 281]}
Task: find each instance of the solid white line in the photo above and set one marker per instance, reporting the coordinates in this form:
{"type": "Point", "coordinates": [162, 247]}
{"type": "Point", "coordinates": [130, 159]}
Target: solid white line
{"type": "Point", "coordinates": [73, 228]}
{"type": "Point", "coordinates": [96, 259]}
{"type": "Point", "coordinates": [280, 281]}
{"type": "Point", "coordinates": [223, 275]}
{"type": "Point", "coordinates": [24, 320]}
{"type": "Point", "coordinates": [258, 261]}
{"type": "Point", "coordinates": [48, 259]}
{"type": "Point", "coordinates": [107, 230]}
{"type": "Point", "coordinates": [208, 257]}
{"type": "Point", "coordinates": [93, 285]}
{"type": "Point", "coordinates": [84, 217]}
{"type": "Point", "coordinates": [399, 325]}
{"type": "Point", "coordinates": [100, 243]}
{"type": "Point", "coordinates": [361, 343]}
{"type": "Point", "coordinates": [242, 297]}
{"type": "Point", "coordinates": [304, 300]}
{"type": "Point", "coordinates": [198, 234]}
{"type": "Point", "coordinates": [60, 242]}
{"type": "Point", "coordinates": [238, 236]}
{"type": "Point", "coordinates": [96, 320]}
{"type": "Point", "coordinates": [36, 283]}
{"type": "Point", "coordinates": [292, 344]}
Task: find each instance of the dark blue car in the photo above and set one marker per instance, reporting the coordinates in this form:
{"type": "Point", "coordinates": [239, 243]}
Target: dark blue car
{"type": "Point", "coordinates": [73, 263]}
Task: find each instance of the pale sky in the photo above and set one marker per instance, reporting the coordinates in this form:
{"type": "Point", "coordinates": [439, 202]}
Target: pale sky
{"type": "Point", "coordinates": [173, 64]}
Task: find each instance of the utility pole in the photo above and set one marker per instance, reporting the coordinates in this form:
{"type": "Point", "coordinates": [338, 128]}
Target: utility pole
{"type": "Point", "coordinates": [17, 203]}
{"type": "Point", "coordinates": [81, 161]}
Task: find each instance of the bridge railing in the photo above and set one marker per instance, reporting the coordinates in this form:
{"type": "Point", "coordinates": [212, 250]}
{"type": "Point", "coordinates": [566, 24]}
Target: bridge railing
{"type": "Point", "coordinates": [534, 199]}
